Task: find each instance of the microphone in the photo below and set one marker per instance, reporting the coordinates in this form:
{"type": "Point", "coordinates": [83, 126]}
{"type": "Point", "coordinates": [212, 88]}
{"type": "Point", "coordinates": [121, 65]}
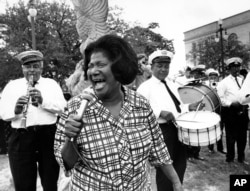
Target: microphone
{"type": "Point", "coordinates": [82, 108]}
{"type": "Point", "coordinates": [80, 112]}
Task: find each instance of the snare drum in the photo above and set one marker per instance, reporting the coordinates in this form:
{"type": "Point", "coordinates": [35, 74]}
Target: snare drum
{"type": "Point", "coordinates": [198, 128]}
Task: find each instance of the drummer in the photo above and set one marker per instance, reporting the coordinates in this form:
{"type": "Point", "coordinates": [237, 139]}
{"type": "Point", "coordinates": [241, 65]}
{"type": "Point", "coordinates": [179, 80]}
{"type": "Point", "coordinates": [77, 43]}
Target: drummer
{"type": "Point", "coordinates": [166, 109]}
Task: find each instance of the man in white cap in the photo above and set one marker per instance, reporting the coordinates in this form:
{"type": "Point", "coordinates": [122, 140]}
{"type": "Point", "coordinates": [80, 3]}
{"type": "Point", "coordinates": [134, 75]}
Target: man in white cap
{"type": "Point", "coordinates": [212, 82]}
{"type": "Point", "coordinates": [213, 78]}
{"type": "Point", "coordinates": [164, 98]}
{"type": "Point", "coordinates": [234, 114]}
{"type": "Point", "coordinates": [32, 104]}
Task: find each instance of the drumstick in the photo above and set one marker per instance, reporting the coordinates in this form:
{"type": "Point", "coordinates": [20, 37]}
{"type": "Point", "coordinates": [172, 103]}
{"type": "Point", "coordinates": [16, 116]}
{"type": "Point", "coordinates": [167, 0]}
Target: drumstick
{"type": "Point", "coordinates": [197, 109]}
{"type": "Point", "coordinates": [191, 121]}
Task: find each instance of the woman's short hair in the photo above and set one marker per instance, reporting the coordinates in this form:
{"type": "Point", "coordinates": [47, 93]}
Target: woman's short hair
{"type": "Point", "coordinates": [119, 52]}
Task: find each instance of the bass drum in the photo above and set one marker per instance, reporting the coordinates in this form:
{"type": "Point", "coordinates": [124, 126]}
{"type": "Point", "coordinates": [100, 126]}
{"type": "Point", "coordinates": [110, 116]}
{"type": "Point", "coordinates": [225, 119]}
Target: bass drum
{"type": "Point", "coordinates": [191, 93]}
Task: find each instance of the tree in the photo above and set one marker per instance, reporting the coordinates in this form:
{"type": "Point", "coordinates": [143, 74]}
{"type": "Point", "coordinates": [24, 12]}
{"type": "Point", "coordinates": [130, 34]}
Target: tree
{"type": "Point", "coordinates": [143, 40]}
{"type": "Point", "coordinates": [56, 37]}
{"type": "Point", "coordinates": [58, 40]}
{"type": "Point", "coordinates": [208, 52]}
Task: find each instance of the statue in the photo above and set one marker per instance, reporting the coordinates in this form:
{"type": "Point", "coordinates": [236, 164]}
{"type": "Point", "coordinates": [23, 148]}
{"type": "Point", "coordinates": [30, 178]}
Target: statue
{"type": "Point", "coordinates": [91, 24]}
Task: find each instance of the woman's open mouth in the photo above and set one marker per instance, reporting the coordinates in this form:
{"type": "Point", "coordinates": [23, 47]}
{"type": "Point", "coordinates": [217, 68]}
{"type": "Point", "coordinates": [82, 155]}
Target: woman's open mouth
{"type": "Point", "coordinates": [98, 84]}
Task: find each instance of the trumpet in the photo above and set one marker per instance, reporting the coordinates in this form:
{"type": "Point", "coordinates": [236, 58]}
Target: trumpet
{"type": "Point", "coordinates": [213, 84]}
{"type": "Point", "coordinates": [24, 117]}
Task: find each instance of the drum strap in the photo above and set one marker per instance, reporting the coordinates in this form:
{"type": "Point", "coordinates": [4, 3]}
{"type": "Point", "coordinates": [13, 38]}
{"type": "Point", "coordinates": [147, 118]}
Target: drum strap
{"type": "Point", "coordinates": [175, 100]}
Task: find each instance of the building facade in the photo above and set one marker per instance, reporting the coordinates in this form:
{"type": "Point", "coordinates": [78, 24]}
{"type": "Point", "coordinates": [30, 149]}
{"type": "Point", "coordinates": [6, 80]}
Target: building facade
{"type": "Point", "coordinates": [237, 26]}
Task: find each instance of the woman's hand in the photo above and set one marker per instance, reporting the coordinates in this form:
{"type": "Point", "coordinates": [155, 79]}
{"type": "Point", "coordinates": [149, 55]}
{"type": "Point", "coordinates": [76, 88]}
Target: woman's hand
{"type": "Point", "coordinates": [73, 126]}
{"type": "Point", "coordinates": [74, 123]}
{"type": "Point", "coordinates": [178, 187]}
{"type": "Point", "coordinates": [170, 172]}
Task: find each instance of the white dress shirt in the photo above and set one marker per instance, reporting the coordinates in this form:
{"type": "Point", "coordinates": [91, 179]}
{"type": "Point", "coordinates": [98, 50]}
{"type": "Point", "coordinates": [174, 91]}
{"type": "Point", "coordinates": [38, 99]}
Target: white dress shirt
{"type": "Point", "coordinates": [245, 91]}
{"type": "Point", "coordinates": [160, 100]}
{"type": "Point", "coordinates": [228, 90]}
{"type": "Point", "coordinates": [45, 114]}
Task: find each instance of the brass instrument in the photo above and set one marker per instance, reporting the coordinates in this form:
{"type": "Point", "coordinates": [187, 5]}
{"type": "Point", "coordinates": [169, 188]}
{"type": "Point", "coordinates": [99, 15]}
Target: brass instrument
{"type": "Point", "coordinates": [213, 84]}
{"type": "Point", "coordinates": [24, 117]}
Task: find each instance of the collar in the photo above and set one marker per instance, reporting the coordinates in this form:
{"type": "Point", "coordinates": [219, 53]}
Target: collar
{"type": "Point", "coordinates": [156, 80]}
{"type": "Point", "coordinates": [36, 82]}
{"type": "Point", "coordinates": [232, 77]}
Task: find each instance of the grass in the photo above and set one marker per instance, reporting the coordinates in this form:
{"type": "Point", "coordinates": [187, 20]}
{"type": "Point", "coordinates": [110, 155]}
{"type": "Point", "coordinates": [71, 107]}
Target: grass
{"type": "Point", "coordinates": [213, 174]}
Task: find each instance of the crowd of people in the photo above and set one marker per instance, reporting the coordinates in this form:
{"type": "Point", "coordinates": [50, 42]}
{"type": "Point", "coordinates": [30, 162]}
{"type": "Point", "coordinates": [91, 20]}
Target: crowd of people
{"type": "Point", "coordinates": [125, 122]}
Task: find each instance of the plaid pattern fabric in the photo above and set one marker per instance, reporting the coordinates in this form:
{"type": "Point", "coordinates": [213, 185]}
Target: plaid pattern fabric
{"type": "Point", "coordinates": [117, 151]}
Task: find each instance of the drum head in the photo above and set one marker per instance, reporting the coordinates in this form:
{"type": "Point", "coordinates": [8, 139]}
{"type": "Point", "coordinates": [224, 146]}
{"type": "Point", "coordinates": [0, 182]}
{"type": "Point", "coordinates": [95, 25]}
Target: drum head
{"type": "Point", "coordinates": [198, 120]}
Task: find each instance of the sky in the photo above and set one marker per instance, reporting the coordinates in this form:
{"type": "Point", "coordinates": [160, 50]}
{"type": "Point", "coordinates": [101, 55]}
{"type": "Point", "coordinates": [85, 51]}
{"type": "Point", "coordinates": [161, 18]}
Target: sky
{"type": "Point", "coordinates": [174, 17]}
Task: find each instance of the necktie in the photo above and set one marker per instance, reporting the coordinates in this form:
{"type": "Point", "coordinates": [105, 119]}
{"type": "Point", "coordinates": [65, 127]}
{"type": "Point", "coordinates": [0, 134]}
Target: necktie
{"type": "Point", "coordinates": [175, 100]}
{"type": "Point", "coordinates": [237, 81]}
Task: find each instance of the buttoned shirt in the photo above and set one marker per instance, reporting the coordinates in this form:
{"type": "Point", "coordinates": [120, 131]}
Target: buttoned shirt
{"type": "Point", "coordinates": [116, 150]}
{"type": "Point", "coordinates": [45, 114]}
{"type": "Point", "coordinates": [228, 90]}
{"type": "Point", "coordinates": [155, 91]}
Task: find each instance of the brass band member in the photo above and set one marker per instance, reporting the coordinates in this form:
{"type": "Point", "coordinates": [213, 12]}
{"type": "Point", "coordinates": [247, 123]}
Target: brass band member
{"type": "Point", "coordinates": [164, 98]}
{"type": "Point", "coordinates": [32, 104]}
{"type": "Point", "coordinates": [235, 115]}
{"type": "Point", "coordinates": [213, 78]}
{"type": "Point", "coordinates": [212, 82]}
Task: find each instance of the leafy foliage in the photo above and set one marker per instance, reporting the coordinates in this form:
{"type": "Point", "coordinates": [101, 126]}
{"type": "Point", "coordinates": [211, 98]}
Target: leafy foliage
{"type": "Point", "coordinates": [10, 69]}
{"type": "Point", "coordinates": [142, 39]}
{"type": "Point", "coordinates": [56, 37]}
{"type": "Point", "coordinates": [208, 52]}
{"type": "Point", "coordinates": [58, 40]}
